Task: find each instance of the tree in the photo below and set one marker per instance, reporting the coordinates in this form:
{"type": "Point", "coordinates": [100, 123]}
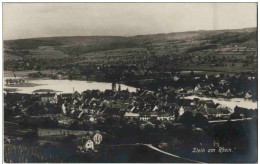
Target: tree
{"type": "Point", "coordinates": [200, 121]}
{"type": "Point", "coordinates": [74, 125]}
{"type": "Point", "coordinates": [187, 119]}
{"type": "Point", "coordinates": [236, 114]}
{"type": "Point", "coordinates": [36, 108]}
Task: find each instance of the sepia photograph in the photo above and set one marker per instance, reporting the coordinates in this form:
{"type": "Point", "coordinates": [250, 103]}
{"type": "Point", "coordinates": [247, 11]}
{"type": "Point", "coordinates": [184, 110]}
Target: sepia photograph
{"type": "Point", "coordinates": [129, 82]}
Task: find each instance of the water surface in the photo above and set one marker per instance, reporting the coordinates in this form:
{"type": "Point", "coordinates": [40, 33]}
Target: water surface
{"type": "Point", "coordinates": [67, 86]}
{"type": "Point", "coordinates": [231, 103]}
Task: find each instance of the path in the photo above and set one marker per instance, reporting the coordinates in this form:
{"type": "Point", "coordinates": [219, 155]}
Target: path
{"type": "Point", "coordinates": [170, 154]}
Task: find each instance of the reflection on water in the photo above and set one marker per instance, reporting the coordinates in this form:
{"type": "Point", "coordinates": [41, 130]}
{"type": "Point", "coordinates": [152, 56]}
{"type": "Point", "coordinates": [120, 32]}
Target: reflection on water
{"type": "Point", "coordinates": [67, 86]}
{"type": "Point", "coordinates": [231, 103]}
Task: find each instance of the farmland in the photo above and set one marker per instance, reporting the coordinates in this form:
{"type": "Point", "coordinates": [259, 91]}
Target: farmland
{"type": "Point", "coordinates": [212, 51]}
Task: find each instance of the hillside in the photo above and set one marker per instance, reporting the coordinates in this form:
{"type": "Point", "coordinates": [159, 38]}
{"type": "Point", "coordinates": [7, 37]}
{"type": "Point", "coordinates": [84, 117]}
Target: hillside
{"type": "Point", "coordinates": [195, 50]}
{"type": "Point", "coordinates": [59, 47]}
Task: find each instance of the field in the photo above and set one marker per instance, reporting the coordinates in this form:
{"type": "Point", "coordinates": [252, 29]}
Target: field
{"type": "Point", "coordinates": [53, 132]}
{"type": "Point", "coordinates": [230, 51]}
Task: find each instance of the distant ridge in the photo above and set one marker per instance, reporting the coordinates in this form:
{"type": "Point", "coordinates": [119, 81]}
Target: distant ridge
{"type": "Point", "coordinates": [250, 29]}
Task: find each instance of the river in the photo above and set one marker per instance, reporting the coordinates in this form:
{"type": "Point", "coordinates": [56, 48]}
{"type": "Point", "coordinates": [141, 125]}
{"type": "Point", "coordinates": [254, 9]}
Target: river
{"type": "Point", "coordinates": [231, 103]}
{"type": "Point", "coordinates": [67, 86]}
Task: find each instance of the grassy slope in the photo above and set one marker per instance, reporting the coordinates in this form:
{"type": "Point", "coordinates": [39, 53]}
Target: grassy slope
{"type": "Point", "coordinates": [159, 44]}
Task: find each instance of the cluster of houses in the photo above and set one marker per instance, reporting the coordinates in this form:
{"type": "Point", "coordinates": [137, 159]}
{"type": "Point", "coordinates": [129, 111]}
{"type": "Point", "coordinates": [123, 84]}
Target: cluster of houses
{"type": "Point", "coordinates": [217, 85]}
{"type": "Point", "coordinates": [94, 103]}
{"type": "Point", "coordinates": [164, 104]}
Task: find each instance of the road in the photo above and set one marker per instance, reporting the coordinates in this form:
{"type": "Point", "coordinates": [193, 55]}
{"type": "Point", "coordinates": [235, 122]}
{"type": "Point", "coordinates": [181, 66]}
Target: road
{"type": "Point", "coordinates": [221, 121]}
{"type": "Point", "coordinates": [233, 120]}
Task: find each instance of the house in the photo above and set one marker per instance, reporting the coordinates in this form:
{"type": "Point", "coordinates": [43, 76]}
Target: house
{"type": "Point", "coordinates": [216, 92]}
{"type": "Point", "coordinates": [179, 90]}
{"type": "Point", "coordinates": [189, 90]}
{"type": "Point", "coordinates": [144, 118]}
{"type": "Point", "coordinates": [93, 102]}
{"type": "Point", "coordinates": [89, 145]}
{"type": "Point", "coordinates": [129, 114]}
{"type": "Point", "coordinates": [105, 103]}
{"type": "Point", "coordinates": [155, 108]}
{"type": "Point", "coordinates": [181, 111]}
{"type": "Point", "coordinates": [228, 93]}
{"type": "Point", "coordinates": [80, 107]}
{"type": "Point", "coordinates": [94, 136]}
{"type": "Point", "coordinates": [80, 114]}
{"type": "Point", "coordinates": [197, 88]}
{"type": "Point", "coordinates": [250, 77]}
{"type": "Point", "coordinates": [64, 108]}
{"type": "Point", "coordinates": [49, 97]}
{"type": "Point", "coordinates": [66, 96]}
{"type": "Point", "coordinates": [222, 82]}
{"type": "Point", "coordinates": [131, 109]}
{"type": "Point", "coordinates": [247, 95]}
{"type": "Point", "coordinates": [97, 138]}
{"type": "Point", "coordinates": [76, 96]}
{"type": "Point", "coordinates": [207, 104]}
{"type": "Point", "coordinates": [165, 116]}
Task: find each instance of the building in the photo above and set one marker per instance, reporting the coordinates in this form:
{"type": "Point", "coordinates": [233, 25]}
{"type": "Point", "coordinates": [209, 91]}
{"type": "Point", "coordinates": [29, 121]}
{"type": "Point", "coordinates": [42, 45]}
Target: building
{"type": "Point", "coordinates": [89, 145]}
{"type": "Point", "coordinates": [181, 111]}
{"type": "Point", "coordinates": [247, 95]}
{"type": "Point", "coordinates": [129, 114]}
{"type": "Point", "coordinates": [76, 95]}
{"type": "Point", "coordinates": [94, 136]}
{"type": "Point", "coordinates": [144, 118]}
{"type": "Point", "coordinates": [49, 97]}
{"type": "Point", "coordinates": [114, 87]}
{"type": "Point", "coordinates": [65, 96]}
{"type": "Point", "coordinates": [97, 138]}
{"type": "Point", "coordinates": [165, 116]}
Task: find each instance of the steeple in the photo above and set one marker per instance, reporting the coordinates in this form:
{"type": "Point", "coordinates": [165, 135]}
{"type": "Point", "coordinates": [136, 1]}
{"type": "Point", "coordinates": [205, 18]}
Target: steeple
{"type": "Point", "coordinates": [113, 86]}
{"type": "Point", "coordinates": [119, 87]}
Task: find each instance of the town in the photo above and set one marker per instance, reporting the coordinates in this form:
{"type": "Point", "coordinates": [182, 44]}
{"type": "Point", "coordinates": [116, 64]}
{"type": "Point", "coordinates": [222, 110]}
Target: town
{"type": "Point", "coordinates": [111, 117]}
{"type": "Point", "coordinates": [168, 94]}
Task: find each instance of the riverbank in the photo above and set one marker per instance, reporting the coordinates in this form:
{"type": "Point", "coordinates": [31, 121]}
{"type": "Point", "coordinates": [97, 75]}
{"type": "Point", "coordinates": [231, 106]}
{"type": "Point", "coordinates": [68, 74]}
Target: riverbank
{"type": "Point", "coordinates": [25, 74]}
{"type": "Point", "coordinates": [22, 85]}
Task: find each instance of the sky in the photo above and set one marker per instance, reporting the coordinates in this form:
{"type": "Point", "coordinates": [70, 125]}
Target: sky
{"type": "Point", "coordinates": [31, 20]}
